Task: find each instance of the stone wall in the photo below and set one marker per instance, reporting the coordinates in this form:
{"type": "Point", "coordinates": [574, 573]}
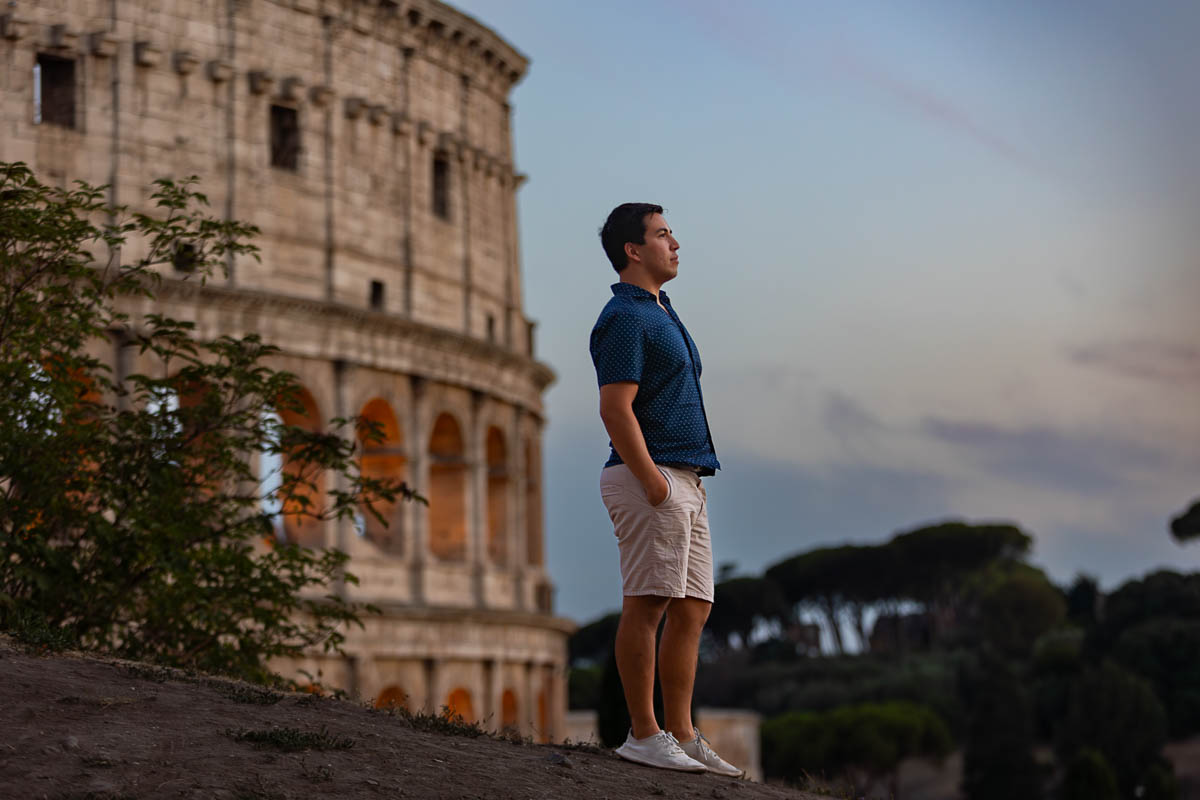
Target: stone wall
{"type": "Point", "coordinates": [370, 142]}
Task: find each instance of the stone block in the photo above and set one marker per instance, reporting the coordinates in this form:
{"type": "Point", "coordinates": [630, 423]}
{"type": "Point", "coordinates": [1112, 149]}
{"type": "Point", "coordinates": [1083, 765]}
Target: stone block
{"type": "Point", "coordinates": [354, 107]}
{"type": "Point", "coordinates": [320, 95]}
{"type": "Point", "coordinates": [219, 71]}
{"type": "Point", "coordinates": [261, 81]}
{"type": "Point", "coordinates": [184, 62]}
{"type": "Point", "coordinates": [61, 37]}
{"type": "Point", "coordinates": [292, 89]}
{"type": "Point", "coordinates": [146, 54]}
{"type": "Point", "coordinates": [102, 45]}
{"type": "Point", "coordinates": [13, 29]}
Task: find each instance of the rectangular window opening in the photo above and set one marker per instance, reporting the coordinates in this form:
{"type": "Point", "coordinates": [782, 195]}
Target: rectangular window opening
{"type": "Point", "coordinates": [376, 295]}
{"type": "Point", "coordinates": [441, 187]}
{"type": "Point", "coordinates": [54, 91]}
{"type": "Point", "coordinates": [285, 138]}
{"type": "Point", "coordinates": [491, 328]}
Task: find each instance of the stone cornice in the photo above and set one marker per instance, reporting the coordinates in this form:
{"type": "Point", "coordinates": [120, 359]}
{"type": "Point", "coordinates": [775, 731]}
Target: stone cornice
{"type": "Point", "coordinates": [331, 318]}
{"type": "Point", "coordinates": [479, 616]}
{"type": "Point", "coordinates": [473, 40]}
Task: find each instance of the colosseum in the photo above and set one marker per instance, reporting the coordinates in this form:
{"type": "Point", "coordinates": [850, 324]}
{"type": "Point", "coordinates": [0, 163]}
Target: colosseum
{"type": "Point", "coordinates": [370, 141]}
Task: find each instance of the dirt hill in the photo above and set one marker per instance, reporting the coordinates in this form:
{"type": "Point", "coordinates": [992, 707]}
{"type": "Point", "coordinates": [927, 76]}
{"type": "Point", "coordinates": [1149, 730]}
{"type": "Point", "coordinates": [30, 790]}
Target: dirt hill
{"type": "Point", "coordinates": [77, 726]}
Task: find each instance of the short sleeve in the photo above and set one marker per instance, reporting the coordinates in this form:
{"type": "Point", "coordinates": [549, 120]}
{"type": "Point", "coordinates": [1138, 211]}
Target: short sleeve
{"type": "Point", "coordinates": [618, 348]}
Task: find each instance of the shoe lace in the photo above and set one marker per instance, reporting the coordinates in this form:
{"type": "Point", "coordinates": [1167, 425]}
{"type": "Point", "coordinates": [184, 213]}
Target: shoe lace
{"type": "Point", "coordinates": [703, 745]}
{"type": "Point", "coordinates": [672, 743]}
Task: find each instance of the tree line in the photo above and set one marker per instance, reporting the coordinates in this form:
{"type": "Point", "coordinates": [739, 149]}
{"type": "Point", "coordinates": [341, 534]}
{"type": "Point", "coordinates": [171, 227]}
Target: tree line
{"type": "Point", "coordinates": [937, 639]}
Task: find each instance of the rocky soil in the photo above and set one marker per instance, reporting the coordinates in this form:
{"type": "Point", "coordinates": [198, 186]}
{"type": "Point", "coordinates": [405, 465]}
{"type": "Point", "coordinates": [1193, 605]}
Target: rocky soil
{"type": "Point", "coordinates": [76, 726]}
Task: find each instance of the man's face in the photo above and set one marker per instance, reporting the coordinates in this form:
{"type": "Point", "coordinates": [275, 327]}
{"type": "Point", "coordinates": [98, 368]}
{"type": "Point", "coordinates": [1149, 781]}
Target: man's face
{"type": "Point", "coordinates": [657, 256]}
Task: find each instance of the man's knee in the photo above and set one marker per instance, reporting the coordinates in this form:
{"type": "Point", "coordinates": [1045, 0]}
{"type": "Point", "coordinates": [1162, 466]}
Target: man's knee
{"type": "Point", "coordinates": [643, 611]}
{"type": "Point", "coordinates": [691, 612]}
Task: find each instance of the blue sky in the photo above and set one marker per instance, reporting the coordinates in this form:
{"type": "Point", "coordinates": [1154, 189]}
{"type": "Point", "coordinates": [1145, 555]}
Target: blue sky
{"type": "Point", "coordinates": [940, 258]}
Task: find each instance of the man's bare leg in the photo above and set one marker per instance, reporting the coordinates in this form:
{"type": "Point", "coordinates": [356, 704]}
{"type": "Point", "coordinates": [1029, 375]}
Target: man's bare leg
{"type": "Point", "coordinates": [640, 616]}
{"type": "Point", "coordinates": [677, 656]}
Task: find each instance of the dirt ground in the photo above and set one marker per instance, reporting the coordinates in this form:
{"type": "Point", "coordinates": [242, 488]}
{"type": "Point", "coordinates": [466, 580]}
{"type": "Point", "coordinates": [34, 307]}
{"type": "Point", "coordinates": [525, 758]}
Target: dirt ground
{"type": "Point", "coordinates": [76, 726]}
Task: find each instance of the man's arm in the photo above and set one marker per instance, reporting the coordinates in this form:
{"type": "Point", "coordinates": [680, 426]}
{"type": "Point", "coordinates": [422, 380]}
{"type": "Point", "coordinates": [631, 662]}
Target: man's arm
{"type": "Point", "coordinates": [616, 410]}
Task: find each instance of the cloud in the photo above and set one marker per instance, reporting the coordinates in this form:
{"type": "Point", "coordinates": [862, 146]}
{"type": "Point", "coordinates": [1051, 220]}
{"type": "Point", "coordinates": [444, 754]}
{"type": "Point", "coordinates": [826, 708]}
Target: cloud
{"type": "Point", "coordinates": [1041, 456]}
{"type": "Point", "coordinates": [1171, 363]}
{"type": "Point", "coordinates": [937, 108]}
{"type": "Point", "coordinates": [854, 428]}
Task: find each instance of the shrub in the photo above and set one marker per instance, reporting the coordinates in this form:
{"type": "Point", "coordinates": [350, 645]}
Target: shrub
{"type": "Point", "coordinates": [130, 520]}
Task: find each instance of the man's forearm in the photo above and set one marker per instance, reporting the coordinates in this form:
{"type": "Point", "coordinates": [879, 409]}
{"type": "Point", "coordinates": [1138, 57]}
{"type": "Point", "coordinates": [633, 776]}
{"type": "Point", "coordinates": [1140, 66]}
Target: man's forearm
{"type": "Point", "coordinates": [627, 440]}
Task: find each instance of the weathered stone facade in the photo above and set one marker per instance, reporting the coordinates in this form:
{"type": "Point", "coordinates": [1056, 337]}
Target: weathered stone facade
{"type": "Point", "coordinates": [370, 141]}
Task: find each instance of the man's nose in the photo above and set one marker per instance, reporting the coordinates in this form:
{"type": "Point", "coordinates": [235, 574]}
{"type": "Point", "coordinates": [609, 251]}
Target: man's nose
{"type": "Point", "coordinates": [674, 243]}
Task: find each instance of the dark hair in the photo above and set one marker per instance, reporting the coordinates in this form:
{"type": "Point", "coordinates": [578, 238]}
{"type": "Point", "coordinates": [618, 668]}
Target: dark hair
{"type": "Point", "coordinates": [626, 223]}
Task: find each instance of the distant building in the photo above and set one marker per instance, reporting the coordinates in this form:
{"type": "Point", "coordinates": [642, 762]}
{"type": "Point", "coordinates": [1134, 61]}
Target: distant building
{"type": "Point", "coordinates": [371, 143]}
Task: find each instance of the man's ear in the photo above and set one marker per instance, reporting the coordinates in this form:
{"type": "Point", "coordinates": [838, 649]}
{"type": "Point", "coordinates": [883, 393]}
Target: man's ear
{"type": "Point", "coordinates": [631, 253]}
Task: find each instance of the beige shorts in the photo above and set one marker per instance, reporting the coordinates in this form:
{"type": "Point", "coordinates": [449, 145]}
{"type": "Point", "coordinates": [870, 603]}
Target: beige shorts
{"type": "Point", "coordinates": [665, 549]}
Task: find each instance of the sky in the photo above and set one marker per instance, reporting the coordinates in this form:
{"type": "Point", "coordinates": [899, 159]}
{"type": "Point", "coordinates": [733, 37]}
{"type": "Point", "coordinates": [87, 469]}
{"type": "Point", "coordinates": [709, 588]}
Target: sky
{"type": "Point", "coordinates": [940, 258]}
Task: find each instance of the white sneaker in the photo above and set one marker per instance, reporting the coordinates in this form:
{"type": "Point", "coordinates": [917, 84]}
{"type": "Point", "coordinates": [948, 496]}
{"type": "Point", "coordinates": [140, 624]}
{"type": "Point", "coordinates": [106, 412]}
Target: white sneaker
{"type": "Point", "coordinates": [698, 750]}
{"type": "Point", "coordinates": [660, 750]}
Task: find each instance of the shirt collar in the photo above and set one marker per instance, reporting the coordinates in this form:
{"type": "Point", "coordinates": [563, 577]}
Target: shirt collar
{"type": "Point", "coordinates": [623, 288]}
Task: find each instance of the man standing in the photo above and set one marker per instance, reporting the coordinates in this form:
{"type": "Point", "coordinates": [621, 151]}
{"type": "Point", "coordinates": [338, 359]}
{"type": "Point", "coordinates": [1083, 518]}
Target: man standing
{"type": "Point", "coordinates": [648, 369]}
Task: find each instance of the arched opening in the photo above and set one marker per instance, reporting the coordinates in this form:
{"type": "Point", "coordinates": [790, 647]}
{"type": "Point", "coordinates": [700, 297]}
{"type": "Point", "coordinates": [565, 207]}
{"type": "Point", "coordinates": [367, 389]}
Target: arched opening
{"type": "Point", "coordinates": [508, 711]}
{"type": "Point", "coordinates": [459, 704]}
{"type": "Point", "coordinates": [198, 404]}
{"type": "Point", "coordinates": [533, 504]}
{"type": "Point", "coordinates": [392, 697]}
{"type": "Point", "coordinates": [447, 491]}
{"type": "Point", "coordinates": [305, 502]}
{"type": "Point", "coordinates": [497, 497]}
{"type": "Point", "coordinates": [382, 459]}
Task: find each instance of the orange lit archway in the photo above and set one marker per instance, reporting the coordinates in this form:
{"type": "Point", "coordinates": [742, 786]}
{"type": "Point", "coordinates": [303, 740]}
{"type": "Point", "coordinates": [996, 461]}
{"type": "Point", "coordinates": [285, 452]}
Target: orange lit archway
{"type": "Point", "coordinates": [459, 702]}
{"type": "Point", "coordinates": [508, 710]}
{"type": "Point", "coordinates": [497, 496]}
{"type": "Point", "coordinates": [543, 719]}
{"type": "Point", "coordinates": [300, 524]}
{"type": "Point", "coordinates": [447, 491]}
{"type": "Point", "coordinates": [383, 459]}
{"type": "Point", "coordinates": [392, 697]}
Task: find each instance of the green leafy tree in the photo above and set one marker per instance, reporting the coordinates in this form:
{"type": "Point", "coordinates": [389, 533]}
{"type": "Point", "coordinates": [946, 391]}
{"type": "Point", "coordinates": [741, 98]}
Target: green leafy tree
{"type": "Point", "coordinates": [1186, 526]}
{"type": "Point", "coordinates": [1116, 714]}
{"type": "Point", "coordinates": [998, 761]}
{"type": "Point", "coordinates": [1056, 666]}
{"type": "Point", "coordinates": [1166, 652]}
{"type": "Point", "coordinates": [592, 643]}
{"type": "Point", "coordinates": [862, 744]}
{"type": "Point", "coordinates": [131, 517]}
{"type": "Point", "coordinates": [1083, 601]}
{"type": "Point", "coordinates": [829, 582]}
{"type": "Point", "coordinates": [1160, 595]}
{"type": "Point", "coordinates": [1014, 605]}
{"type": "Point", "coordinates": [1089, 777]}
{"type": "Point", "coordinates": [938, 561]}
{"type": "Point", "coordinates": [741, 604]}
{"type": "Point", "coordinates": [1159, 783]}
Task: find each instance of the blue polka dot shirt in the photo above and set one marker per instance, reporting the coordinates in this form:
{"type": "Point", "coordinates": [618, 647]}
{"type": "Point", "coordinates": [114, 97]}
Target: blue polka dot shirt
{"type": "Point", "coordinates": [633, 340]}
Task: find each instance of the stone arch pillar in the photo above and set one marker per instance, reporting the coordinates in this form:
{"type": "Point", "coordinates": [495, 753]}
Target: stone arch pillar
{"type": "Point", "coordinates": [476, 515]}
{"type": "Point", "coordinates": [519, 510]}
{"type": "Point", "coordinates": [418, 513]}
{"type": "Point", "coordinates": [534, 554]}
